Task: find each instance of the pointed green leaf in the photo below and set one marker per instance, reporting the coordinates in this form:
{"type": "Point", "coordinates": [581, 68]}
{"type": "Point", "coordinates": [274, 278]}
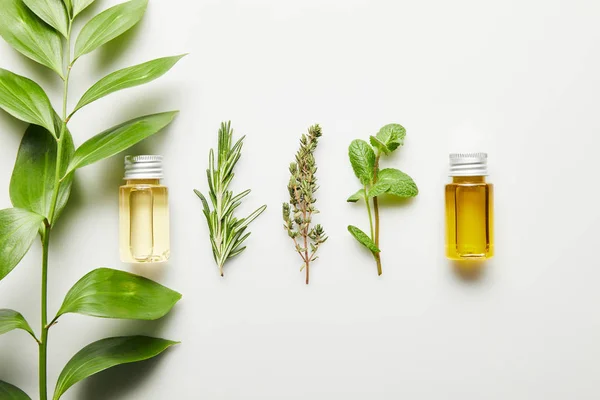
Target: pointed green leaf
{"type": "Point", "coordinates": [394, 182]}
{"type": "Point", "coordinates": [33, 178]}
{"type": "Point", "coordinates": [52, 12]}
{"type": "Point", "coordinates": [119, 138]}
{"type": "Point", "coordinates": [107, 353]}
{"type": "Point", "coordinates": [80, 5]}
{"type": "Point", "coordinates": [26, 100]}
{"type": "Point", "coordinates": [69, 6]}
{"type": "Point", "coordinates": [363, 239]}
{"type": "Point", "coordinates": [108, 25]}
{"type": "Point", "coordinates": [18, 229]}
{"type": "Point", "coordinates": [10, 320]}
{"type": "Point", "coordinates": [127, 78]}
{"type": "Point", "coordinates": [392, 136]}
{"type": "Point", "coordinates": [30, 36]}
{"type": "Point", "coordinates": [362, 158]}
{"type": "Point", "coordinates": [356, 196]}
{"type": "Point", "coordinates": [109, 293]}
{"type": "Point", "coordinates": [11, 392]}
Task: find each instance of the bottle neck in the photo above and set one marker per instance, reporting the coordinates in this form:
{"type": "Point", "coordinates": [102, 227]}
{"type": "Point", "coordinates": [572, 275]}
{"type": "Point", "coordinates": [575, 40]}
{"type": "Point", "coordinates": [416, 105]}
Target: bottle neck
{"type": "Point", "coordinates": [468, 179]}
{"type": "Point", "coordinates": [142, 182]}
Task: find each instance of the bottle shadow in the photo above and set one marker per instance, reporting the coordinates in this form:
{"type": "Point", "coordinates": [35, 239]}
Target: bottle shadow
{"type": "Point", "coordinates": [469, 270]}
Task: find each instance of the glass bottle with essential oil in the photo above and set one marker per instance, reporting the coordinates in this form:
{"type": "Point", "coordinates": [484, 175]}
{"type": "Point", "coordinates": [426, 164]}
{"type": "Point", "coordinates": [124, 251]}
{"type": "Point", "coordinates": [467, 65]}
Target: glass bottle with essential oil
{"type": "Point", "coordinates": [144, 211]}
{"type": "Point", "coordinates": [469, 209]}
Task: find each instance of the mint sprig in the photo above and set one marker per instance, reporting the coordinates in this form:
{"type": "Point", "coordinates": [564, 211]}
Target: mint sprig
{"type": "Point", "coordinates": [364, 158]}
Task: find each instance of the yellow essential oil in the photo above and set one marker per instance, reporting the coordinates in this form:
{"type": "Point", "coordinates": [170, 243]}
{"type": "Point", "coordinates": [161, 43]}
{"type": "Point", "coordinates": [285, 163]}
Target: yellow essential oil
{"type": "Point", "coordinates": [469, 209]}
{"type": "Point", "coordinates": [144, 212]}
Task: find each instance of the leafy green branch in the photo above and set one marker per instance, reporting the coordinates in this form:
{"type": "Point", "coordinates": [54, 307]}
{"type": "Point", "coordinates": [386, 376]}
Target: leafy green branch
{"type": "Point", "coordinates": [365, 158]}
{"type": "Point", "coordinates": [47, 160]}
{"type": "Point", "coordinates": [227, 233]}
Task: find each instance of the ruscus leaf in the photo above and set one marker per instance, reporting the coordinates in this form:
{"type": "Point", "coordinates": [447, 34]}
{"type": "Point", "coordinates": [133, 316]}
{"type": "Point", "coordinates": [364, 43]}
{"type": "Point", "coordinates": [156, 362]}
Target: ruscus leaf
{"type": "Point", "coordinates": [69, 6]}
{"type": "Point", "coordinates": [11, 392]}
{"type": "Point", "coordinates": [30, 36]}
{"type": "Point", "coordinates": [107, 353]}
{"type": "Point", "coordinates": [18, 229]}
{"type": "Point", "coordinates": [119, 138]}
{"type": "Point", "coordinates": [26, 100]}
{"type": "Point", "coordinates": [11, 320]}
{"type": "Point", "coordinates": [127, 78]}
{"type": "Point", "coordinates": [392, 136]}
{"type": "Point", "coordinates": [108, 25]}
{"type": "Point", "coordinates": [362, 158]}
{"type": "Point", "coordinates": [109, 293]}
{"type": "Point", "coordinates": [80, 5]}
{"type": "Point", "coordinates": [356, 196]}
{"type": "Point", "coordinates": [52, 12]}
{"type": "Point", "coordinates": [33, 178]}
{"type": "Point", "coordinates": [363, 239]}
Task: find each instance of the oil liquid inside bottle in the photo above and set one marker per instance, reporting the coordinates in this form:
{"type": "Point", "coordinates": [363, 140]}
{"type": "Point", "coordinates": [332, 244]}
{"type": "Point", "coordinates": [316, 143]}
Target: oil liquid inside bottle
{"type": "Point", "coordinates": [144, 221]}
{"type": "Point", "coordinates": [469, 218]}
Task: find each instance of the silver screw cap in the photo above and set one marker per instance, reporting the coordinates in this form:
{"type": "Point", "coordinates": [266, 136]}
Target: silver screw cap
{"type": "Point", "coordinates": [143, 167]}
{"type": "Point", "coordinates": [468, 164]}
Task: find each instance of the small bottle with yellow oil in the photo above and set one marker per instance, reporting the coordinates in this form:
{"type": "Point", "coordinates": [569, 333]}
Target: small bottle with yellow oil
{"type": "Point", "coordinates": [469, 209]}
{"type": "Point", "coordinates": [144, 211]}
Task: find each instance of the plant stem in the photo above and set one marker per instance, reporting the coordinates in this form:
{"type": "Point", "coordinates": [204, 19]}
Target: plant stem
{"type": "Point", "coordinates": [376, 212]}
{"type": "Point", "coordinates": [305, 237]}
{"type": "Point", "coordinates": [49, 223]}
{"type": "Point", "coordinates": [306, 254]}
{"type": "Point", "coordinates": [369, 211]}
{"type": "Point", "coordinates": [43, 345]}
{"type": "Point", "coordinates": [378, 255]}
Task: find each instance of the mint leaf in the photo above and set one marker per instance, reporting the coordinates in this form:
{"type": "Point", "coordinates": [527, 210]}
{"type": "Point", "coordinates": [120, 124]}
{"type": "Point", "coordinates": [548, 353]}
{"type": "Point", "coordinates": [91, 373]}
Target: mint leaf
{"type": "Point", "coordinates": [398, 183]}
{"type": "Point", "coordinates": [379, 145]}
{"type": "Point", "coordinates": [363, 239]}
{"type": "Point", "coordinates": [378, 189]}
{"type": "Point", "coordinates": [356, 196]}
{"type": "Point", "coordinates": [362, 158]}
{"type": "Point", "coordinates": [392, 136]}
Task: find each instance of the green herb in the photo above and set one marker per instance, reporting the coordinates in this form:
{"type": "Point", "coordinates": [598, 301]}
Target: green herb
{"type": "Point", "coordinates": [227, 233]}
{"type": "Point", "coordinates": [298, 213]}
{"type": "Point", "coordinates": [46, 164]}
{"type": "Point", "coordinates": [365, 163]}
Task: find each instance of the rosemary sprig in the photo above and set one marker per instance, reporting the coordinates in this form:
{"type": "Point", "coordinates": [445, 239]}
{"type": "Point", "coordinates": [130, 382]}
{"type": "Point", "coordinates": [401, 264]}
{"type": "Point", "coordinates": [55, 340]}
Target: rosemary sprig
{"type": "Point", "coordinates": [297, 214]}
{"type": "Point", "coordinates": [227, 233]}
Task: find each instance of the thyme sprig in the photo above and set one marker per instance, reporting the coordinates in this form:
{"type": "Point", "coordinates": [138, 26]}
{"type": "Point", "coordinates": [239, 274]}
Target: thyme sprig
{"type": "Point", "coordinates": [227, 233]}
{"type": "Point", "coordinates": [298, 213]}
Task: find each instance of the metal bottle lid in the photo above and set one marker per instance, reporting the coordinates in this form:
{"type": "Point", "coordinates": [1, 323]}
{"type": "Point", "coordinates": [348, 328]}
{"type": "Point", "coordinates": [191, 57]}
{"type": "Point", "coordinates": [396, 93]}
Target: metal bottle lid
{"type": "Point", "coordinates": [468, 164]}
{"type": "Point", "coordinates": [143, 167]}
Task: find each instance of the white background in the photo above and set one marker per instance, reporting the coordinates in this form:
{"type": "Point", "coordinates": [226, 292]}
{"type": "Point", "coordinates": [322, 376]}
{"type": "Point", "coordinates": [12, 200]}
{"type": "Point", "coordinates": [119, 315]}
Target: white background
{"type": "Point", "coordinates": [518, 79]}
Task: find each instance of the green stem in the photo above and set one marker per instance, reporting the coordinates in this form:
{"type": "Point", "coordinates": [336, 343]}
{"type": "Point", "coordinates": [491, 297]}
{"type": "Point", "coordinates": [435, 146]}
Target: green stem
{"type": "Point", "coordinates": [377, 255]}
{"type": "Point", "coordinates": [49, 223]}
{"type": "Point", "coordinates": [376, 212]}
{"type": "Point", "coordinates": [43, 345]}
{"type": "Point", "coordinates": [368, 203]}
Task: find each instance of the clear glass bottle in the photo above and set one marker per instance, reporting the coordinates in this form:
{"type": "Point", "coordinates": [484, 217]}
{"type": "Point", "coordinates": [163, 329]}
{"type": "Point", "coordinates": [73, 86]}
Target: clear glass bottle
{"type": "Point", "coordinates": [144, 211]}
{"type": "Point", "coordinates": [469, 209]}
